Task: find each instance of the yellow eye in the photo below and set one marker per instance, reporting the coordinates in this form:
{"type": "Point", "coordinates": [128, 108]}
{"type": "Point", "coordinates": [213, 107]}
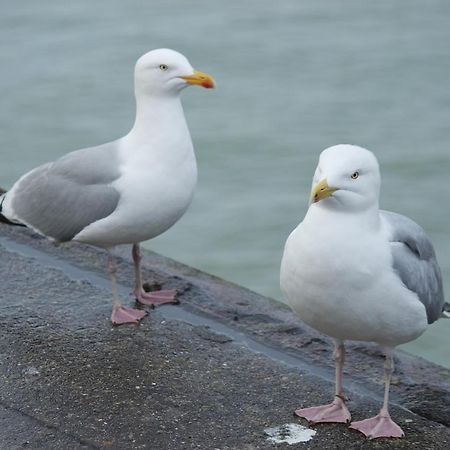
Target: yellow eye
{"type": "Point", "coordinates": [163, 66]}
{"type": "Point", "coordinates": [354, 175]}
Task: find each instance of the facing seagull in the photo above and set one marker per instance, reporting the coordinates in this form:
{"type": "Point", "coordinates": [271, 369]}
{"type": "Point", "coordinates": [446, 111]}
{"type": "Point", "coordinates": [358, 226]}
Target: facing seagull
{"type": "Point", "coordinates": [125, 191]}
{"type": "Point", "coordinates": [354, 272]}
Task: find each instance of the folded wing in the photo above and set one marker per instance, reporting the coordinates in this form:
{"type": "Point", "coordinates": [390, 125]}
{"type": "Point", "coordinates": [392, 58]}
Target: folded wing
{"type": "Point", "coordinates": [60, 198]}
{"type": "Point", "coordinates": [414, 261]}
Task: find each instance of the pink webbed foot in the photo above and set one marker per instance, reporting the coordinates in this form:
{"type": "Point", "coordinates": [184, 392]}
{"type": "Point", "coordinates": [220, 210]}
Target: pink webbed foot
{"type": "Point", "coordinates": [334, 412]}
{"type": "Point", "coordinates": [156, 298]}
{"type": "Point", "coordinates": [379, 426]}
{"type": "Point", "coordinates": [124, 314]}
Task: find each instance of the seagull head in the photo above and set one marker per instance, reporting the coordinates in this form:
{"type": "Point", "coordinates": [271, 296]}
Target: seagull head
{"type": "Point", "coordinates": [167, 72]}
{"type": "Point", "coordinates": [347, 178]}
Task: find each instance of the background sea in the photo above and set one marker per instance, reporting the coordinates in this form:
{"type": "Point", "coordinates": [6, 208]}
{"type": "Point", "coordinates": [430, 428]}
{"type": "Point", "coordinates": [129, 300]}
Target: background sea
{"type": "Point", "coordinates": [293, 78]}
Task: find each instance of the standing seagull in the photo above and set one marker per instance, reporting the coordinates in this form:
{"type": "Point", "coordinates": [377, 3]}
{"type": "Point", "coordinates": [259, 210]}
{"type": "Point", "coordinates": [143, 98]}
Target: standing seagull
{"type": "Point", "coordinates": [125, 191]}
{"type": "Point", "coordinates": [354, 272]}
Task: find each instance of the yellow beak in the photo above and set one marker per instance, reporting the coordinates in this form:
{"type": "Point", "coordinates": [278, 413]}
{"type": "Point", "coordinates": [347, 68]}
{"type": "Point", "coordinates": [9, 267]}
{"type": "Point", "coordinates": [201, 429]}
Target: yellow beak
{"type": "Point", "coordinates": [320, 191]}
{"type": "Point", "coordinates": [201, 79]}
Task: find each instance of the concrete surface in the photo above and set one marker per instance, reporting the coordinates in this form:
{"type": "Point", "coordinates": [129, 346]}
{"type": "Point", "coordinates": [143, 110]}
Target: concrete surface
{"type": "Point", "coordinates": [211, 373]}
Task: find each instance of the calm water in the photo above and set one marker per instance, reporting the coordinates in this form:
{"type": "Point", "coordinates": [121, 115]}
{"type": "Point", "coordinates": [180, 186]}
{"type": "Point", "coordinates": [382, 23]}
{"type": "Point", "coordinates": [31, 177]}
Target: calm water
{"type": "Point", "coordinates": [294, 77]}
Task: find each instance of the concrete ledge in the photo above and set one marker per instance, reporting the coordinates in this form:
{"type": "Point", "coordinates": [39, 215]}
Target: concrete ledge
{"type": "Point", "coordinates": [213, 372]}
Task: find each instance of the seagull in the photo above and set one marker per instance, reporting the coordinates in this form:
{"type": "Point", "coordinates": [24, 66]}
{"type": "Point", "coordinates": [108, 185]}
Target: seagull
{"type": "Point", "coordinates": [125, 191]}
{"type": "Point", "coordinates": [355, 272]}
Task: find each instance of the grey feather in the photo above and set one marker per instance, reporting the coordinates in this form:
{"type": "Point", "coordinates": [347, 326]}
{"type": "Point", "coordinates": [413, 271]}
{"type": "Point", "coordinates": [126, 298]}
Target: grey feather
{"type": "Point", "coordinates": [414, 261]}
{"type": "Point", "coordinates": [61, 198]}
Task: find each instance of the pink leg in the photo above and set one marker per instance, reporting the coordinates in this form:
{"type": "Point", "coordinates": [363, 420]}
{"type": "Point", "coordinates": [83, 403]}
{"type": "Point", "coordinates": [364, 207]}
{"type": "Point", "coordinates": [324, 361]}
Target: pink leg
{"type": "Point", "coordinates": [335, 411]}
{"type": "Point", "coordinates": [121, 314]}
{"type": "Point", "coordinates": [149, 298]}
{"type": "Point", "coordinates": [381, 425]}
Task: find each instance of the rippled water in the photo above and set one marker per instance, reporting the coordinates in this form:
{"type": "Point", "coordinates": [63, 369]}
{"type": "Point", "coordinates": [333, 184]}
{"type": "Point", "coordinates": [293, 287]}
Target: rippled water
{"type": "Point", "coordinates": [294, 77]}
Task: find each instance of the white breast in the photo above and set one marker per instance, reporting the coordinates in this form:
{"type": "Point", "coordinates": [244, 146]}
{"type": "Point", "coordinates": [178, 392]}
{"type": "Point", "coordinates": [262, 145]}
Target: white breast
{"type": "Point", "coordinates": [156, 188]}
{"type": "Point", "coordinates": [339, 281]}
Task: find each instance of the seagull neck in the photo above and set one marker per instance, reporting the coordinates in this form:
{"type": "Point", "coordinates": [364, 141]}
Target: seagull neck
{"type": "Point", "coordinates": [368, 218]}
{"type": "Point", "coordinates": [157, 117]}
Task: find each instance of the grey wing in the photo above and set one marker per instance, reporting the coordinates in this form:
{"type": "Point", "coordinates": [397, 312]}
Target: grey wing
{"type": "Point", "coordinates": [414, 261]}
{"type": "Point", "coordinates": [59, 199]}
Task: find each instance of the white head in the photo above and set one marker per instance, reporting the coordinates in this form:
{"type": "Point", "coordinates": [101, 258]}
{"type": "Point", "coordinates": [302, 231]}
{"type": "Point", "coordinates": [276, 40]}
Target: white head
{"type": "Point", "coordinates": [166, 72]}
{"type": "Point", "coordinates": [346, 178]}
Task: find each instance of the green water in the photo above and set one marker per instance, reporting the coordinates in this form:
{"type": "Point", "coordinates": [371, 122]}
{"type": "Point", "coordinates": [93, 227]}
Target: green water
{"type": "Point", "coordinates": [293, 78]}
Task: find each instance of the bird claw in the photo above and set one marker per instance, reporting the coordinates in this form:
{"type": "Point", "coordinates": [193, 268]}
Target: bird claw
{"type": "Point", "coordinates": [123, 314]}
{"type": "Point", "coordinates": [335, 412]}
{"type": "Point", "coordinates": [156, 298]}
{"type": "Point", "coordinates": [378, 426]}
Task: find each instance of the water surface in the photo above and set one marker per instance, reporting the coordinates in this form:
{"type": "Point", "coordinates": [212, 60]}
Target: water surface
{"type": "Point", "coordinates": [294, 77]}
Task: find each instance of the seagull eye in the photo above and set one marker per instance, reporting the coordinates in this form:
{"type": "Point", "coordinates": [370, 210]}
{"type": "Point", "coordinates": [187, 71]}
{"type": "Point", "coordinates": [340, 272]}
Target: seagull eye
{"type": "Point", "coordinates": [354, 175]}
{"type": "Point", "coordinates": [163, 66]}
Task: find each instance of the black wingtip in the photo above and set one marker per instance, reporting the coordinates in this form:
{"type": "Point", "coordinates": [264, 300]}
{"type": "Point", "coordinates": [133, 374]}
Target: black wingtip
{"type": "Point", "coordinates": [4, 219]}
{"type": "Point", "coordinates": [446, 311]}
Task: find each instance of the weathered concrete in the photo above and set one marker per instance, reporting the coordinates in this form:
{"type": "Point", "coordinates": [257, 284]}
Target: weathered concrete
{"type": "Point", "coordinates": [213, 372]}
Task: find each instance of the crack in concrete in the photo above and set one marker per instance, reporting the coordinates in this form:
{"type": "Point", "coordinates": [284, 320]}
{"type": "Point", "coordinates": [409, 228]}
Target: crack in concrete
{"type": "Point", "coordinates": [47, 425]}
